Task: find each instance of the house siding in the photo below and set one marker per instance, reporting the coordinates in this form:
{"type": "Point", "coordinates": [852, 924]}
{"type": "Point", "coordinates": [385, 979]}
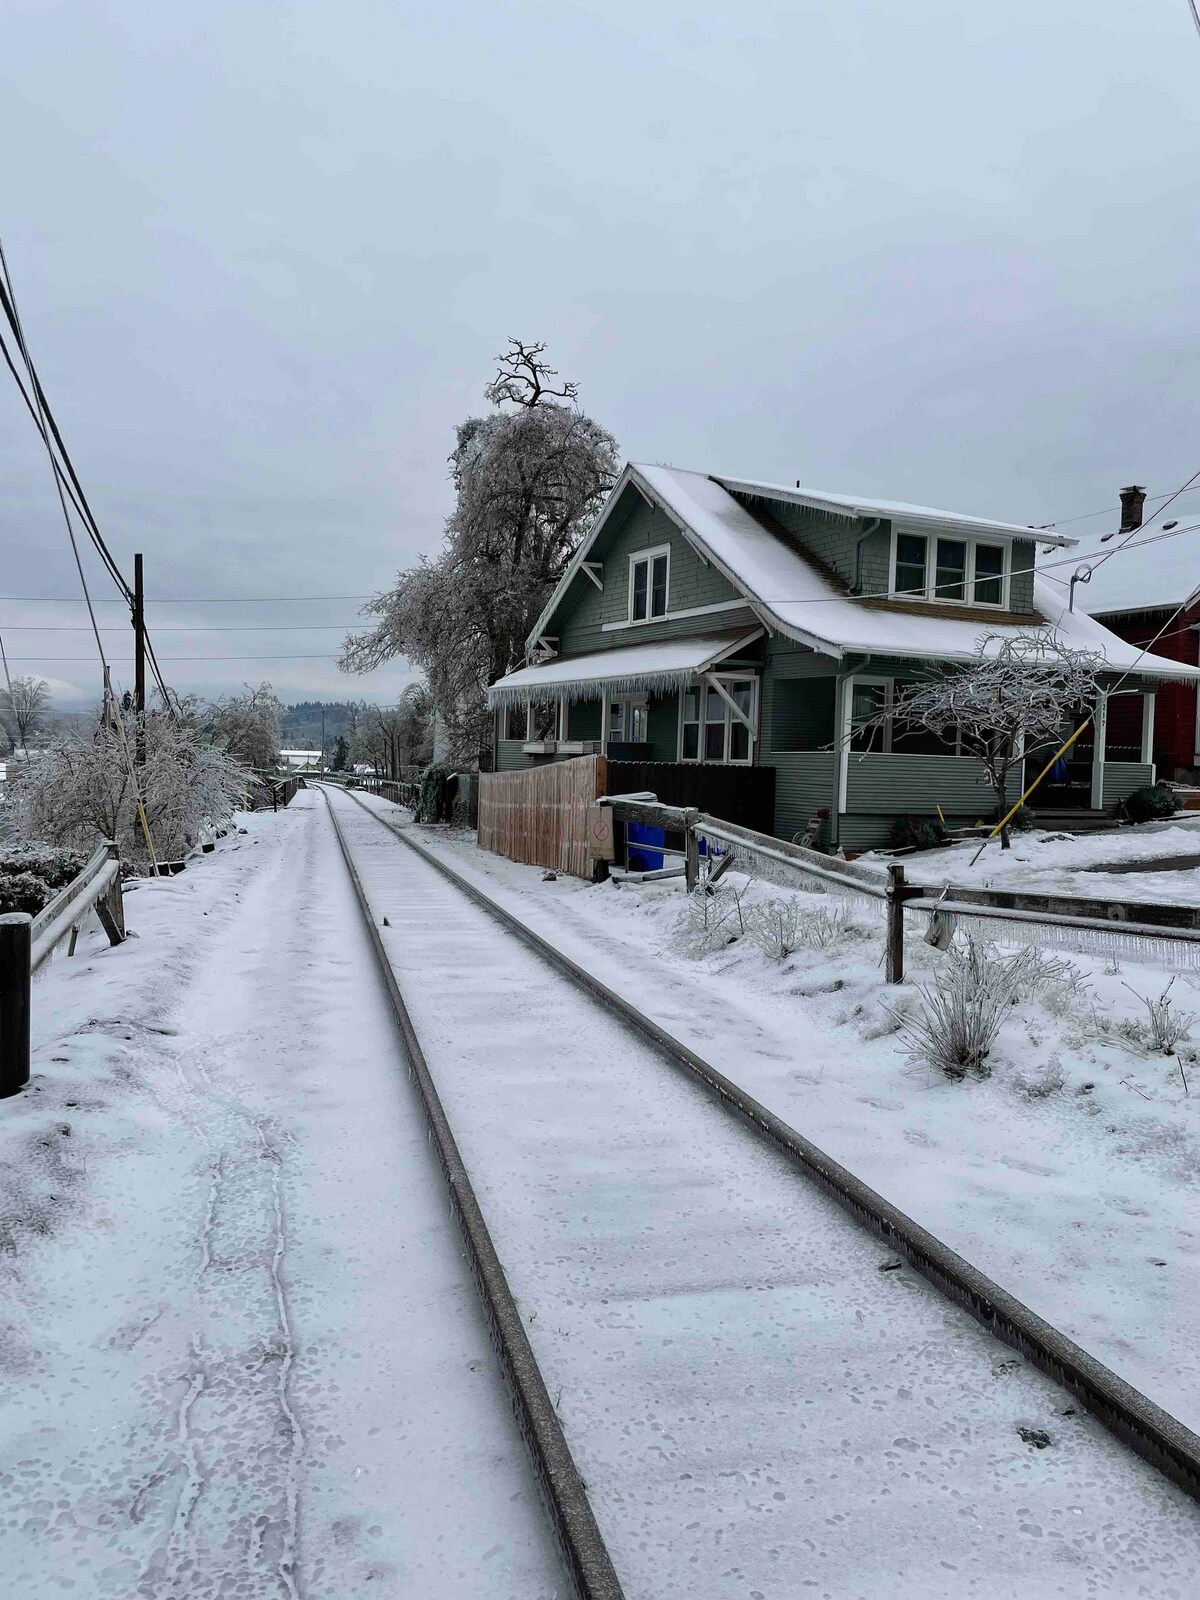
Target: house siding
{"type": "Point", "coordinates": [579, 620]}
{"type": "Point", "coordinates": [916, 785]}
{"type": "Point", "coordinates": [1121, 778]}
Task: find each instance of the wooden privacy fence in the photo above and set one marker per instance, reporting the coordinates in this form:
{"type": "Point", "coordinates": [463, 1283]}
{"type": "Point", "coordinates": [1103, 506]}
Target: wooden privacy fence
{"type": "Point", "coordinates": [540, 816]}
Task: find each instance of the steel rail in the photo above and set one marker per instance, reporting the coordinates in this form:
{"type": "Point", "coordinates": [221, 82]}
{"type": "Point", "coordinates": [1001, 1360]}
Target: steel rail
{"type": "Point", "coordinates": [579, 1538]}
{"type": "Point", "coordinates": [1124, 1411]}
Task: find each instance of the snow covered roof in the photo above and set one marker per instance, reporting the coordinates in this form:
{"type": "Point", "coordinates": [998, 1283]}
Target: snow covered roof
{"type": "Point", "coordinates": [1148, 573]}
{"type": "Point", "coordinates": [665, 665]}
{"type": "Point", "coordinates": [845, 505]}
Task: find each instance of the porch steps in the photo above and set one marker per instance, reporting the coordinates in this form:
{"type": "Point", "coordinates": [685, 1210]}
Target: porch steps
{"type": "Point", "coordinates": [1070, 820]}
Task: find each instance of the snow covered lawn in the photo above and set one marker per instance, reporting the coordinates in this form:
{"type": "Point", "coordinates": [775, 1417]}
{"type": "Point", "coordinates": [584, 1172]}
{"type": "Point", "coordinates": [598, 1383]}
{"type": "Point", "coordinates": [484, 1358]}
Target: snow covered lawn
{"type": "Point", "coordinates": [1071, 1174]}
{"type": "Point", "coordinates": [240, 1353]}
{"type": "Point", "coordinates": [1056, 863]}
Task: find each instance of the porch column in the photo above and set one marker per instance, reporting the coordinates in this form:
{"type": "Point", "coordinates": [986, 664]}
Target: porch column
{"type": "Point", "coordinates": [1100, 732]}
{"type": "Point", "coordinates": [1148, 731]}
{"type": "Point", "coordinates": [843, 703]}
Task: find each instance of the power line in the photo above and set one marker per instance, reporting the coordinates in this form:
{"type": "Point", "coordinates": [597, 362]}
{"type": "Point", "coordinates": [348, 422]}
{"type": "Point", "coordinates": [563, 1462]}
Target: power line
{"type": "Point", "coordinates": [175, 627]}
{"type": "Point", "coordinates": [187, 600]}
{"type": "Point", "coordinates": [1195, 14]}
{"type": "Point", "coordinates": [172, 659]}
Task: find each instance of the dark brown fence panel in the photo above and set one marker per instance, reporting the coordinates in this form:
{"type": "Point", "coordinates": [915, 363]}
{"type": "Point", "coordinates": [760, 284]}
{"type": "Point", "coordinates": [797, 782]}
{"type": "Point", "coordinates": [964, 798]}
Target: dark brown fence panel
{"type": "Point", "coordinates": [540, 816]}
{"type": "Point", "coordinates": [744, 795]}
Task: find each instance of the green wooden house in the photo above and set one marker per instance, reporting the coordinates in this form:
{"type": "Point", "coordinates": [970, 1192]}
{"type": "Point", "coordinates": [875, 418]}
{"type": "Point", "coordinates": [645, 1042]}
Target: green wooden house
{"type": "Point", "coordinates": [715, 620]}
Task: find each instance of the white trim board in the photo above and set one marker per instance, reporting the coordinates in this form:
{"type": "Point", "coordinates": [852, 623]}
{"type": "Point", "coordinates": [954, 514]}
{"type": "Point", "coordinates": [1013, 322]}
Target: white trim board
{"type": "Point", "coordinates": [680, 616]}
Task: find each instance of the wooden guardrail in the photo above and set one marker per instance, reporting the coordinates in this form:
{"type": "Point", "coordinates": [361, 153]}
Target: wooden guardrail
{"type": "Point", "coordinates": [1138, 919]}
{"type": "Point", "coordinates": [26, 942]}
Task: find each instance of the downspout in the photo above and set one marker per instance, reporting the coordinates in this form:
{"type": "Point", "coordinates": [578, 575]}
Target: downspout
{"type": "Point", "coordinates": [873, 525]}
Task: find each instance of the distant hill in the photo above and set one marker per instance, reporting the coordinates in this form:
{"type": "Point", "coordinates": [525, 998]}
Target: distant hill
{"type": "Point", "coordinates": [300, 725]}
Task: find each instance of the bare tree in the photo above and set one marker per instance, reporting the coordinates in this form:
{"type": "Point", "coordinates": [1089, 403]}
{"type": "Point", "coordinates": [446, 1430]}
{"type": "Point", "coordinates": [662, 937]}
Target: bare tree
{"type": "Point", "coordinates": [1010, 705]}
{"type": "Point", "coordinates": [23, 709]}
{"type": "Point", "coordinates": [397, 738]}
{"type": "Point", "coordinates": [528, 481]}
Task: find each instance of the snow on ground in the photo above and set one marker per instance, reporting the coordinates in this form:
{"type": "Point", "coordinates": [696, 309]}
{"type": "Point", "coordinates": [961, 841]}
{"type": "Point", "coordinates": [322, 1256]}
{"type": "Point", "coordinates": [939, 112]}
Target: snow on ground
{"type": "Point", "coordinates": [1071, 1175]}
{"type": "Point", "coordinates": [240, 1352]}
{"type": "Point", "coordinates": [759, 1411]}
{"type": "Point", "coordinates": [1057, 863]}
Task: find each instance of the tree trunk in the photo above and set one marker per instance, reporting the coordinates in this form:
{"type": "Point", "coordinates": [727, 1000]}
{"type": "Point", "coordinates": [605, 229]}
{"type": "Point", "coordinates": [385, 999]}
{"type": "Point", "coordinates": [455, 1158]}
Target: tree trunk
{"type": "Point", "coordinates": [1002, 798]}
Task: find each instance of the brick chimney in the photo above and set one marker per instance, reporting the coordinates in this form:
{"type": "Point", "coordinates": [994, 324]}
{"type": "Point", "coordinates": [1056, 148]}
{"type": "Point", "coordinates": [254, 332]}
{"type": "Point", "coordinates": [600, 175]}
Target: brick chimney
{"type": "Point", "coordinates": [1132, 500]}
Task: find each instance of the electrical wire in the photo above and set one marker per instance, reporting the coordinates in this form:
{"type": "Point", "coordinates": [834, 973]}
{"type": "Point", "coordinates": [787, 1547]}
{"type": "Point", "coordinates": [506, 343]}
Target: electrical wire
{"type": "Point", "coordinates": [1192, 7]}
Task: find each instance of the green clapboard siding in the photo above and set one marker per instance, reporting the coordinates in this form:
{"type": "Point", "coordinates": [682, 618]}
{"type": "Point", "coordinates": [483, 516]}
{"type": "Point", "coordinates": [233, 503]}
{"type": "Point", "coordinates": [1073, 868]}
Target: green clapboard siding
{"type": "Point", "coordinates": [632, 527]}
{"type": "Point", "coordinates": [912, 785]}
{"type": "Point", "coordinates": [663, 727]}
{"type": "Point", "coordinates": [510, 757]}
{"type": "Point", "coordinates": [871, 832]}
{"type": "Point", "coordinates": [1121, 778]}
{"type": "Point", "coordinates": [583, 719]}
{"type": "Point", "coordinates": [804, 783]}
{"type": "Point", "coordinates": [801, 714]}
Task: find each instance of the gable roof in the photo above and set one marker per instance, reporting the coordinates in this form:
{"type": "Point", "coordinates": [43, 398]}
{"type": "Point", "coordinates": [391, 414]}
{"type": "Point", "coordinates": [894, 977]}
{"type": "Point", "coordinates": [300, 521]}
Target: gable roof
{"type": "Point", "coordinates": [1153, 571]}
{"type": "Point", "coordinates": [792, 595]}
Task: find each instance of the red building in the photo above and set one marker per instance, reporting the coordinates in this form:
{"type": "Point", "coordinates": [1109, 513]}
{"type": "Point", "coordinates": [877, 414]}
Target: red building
{"type": "Point", "coordinates": [1147, 594]}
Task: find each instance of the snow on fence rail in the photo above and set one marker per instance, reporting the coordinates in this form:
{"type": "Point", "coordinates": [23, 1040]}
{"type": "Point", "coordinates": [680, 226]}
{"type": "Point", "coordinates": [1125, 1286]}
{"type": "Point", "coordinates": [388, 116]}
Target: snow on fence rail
{"type": "Point", "coordinates": [1140, 930]}
{"type": "Point", "coordinates": [26, 942]}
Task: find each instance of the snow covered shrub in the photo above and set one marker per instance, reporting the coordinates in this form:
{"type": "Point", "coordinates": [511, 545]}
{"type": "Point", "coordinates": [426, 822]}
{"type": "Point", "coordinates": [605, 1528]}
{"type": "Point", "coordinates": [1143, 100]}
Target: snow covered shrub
{"type": "Point", "coordinates": [916, 833]}
{"type": "Point", "coordinates": [1151, 802]}
{"type": "Point", "coordinates": [714, 919]}
{"type": "Point", "coordinates": [31, 875]}
{"type": "Point", "coordinates": [438, 788]}
{"type": "Point", "coordinates": [1167, 1028]}
{"type": "Point", "coordinates": [963, 1010]}
{"type": "Point", "coordinates": [82, 789]}
{"type": "Point", "coordinates": [775, 928]}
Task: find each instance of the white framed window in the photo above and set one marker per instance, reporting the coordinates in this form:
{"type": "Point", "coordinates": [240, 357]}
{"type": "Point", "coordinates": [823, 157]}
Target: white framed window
{"type": "Point", "coordinates": [649, 583]}
{"type": "Point", "coordinates": [627, 719]}
{"type": "Point", "coordinates": [710, 729]}
{"type": "Point", "coordinates": [961, 571]}
{"type": "Point", "coordinates": [871, 699]}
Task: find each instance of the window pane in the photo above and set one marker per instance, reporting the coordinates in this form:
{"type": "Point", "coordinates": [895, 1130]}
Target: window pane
{"type": "Point", "coordinates": [637, 722]}
{"type": "Point", "coordinates": [868, 701]}
{"type": "Point", "coordinates": [910, 563]}
{"type": "Point", "coordinates": [989, 570]}
{"type": "Point", "coordinates": [714, 707]}
{"type": "Point", "coordinates": [739, 741]}
{"type": "Point", "coordinates": [640, 569]}
{"type": "Point", "coordinates": [951, 569]}
{"type": "Point", "coordinates": [691, 740]}
{"type": "Point", "coordinates": [742, 693]}
{"type": "Point", "coordinates": [658, 594]}
{"type": "Point", "coordinates": [714, 741]}
{"type": "Point", "coordinates": [691, 705]}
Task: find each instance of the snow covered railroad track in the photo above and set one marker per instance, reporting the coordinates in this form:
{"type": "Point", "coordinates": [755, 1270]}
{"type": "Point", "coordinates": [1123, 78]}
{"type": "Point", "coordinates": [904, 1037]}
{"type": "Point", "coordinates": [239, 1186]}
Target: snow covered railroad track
{"type": "Point", "coordinates": [758, 1404]}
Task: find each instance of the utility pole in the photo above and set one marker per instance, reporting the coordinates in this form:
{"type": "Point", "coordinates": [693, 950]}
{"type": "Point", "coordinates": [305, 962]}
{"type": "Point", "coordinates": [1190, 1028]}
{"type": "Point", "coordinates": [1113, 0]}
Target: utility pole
{"type": "Point", "coordinates": [139, 658]}
{"type": "Point", "coordinates": [322, 738]}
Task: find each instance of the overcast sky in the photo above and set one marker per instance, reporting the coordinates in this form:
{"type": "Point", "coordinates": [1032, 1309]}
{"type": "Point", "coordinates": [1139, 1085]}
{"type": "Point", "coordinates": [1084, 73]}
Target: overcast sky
{"type": "Point", "coordinates": [266, 251]}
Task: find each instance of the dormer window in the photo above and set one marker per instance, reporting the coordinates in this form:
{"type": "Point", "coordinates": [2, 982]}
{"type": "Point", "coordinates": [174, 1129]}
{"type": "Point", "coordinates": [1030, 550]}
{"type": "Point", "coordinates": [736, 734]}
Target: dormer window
{"type": "Point", "coordinates": [649, 577]}
{"type": "Point", "coordinates": [963, 571]}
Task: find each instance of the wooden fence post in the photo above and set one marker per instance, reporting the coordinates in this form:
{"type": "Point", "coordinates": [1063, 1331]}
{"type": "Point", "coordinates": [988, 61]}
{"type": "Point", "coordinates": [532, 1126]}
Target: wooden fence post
{"type": "Point", "coordinates": [691, 860]}
{"type": "Point", "coordinates": [895, 923]}
{"type": "Point", "coordinates": [110, 908]}
{"type": "Point", "coordinates": [16, 943]}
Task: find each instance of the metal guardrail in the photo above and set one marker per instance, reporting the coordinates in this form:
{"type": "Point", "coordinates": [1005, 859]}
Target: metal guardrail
{"type": "Point", "coordinates": [27, 942]}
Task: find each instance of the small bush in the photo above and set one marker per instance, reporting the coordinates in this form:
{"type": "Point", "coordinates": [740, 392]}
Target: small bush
{"type": "Point", "coordinates": [1151, 802]}
{"type": "Point", "coordinates": [781, 927]}
{"type": "Point", "coordinates": [1021, 821]}
{"type": "Point", "coordinates": [31, 875]}
{"type": "Point", "coordinates": [916, 833]}
{"type": "Point", "coordinates": [436, 800]}
{"type": "Point", "coordinates": [1039, 1083]}
{"type": "Point", "coordinates": [963, 1010]}
{"type": "Point", "coordinates": [1167, 1028]}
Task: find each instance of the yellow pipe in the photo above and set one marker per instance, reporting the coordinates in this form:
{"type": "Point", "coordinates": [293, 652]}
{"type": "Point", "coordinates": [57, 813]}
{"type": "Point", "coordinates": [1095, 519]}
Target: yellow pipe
{"type": "Point", "coordinates": [1062, 752]}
